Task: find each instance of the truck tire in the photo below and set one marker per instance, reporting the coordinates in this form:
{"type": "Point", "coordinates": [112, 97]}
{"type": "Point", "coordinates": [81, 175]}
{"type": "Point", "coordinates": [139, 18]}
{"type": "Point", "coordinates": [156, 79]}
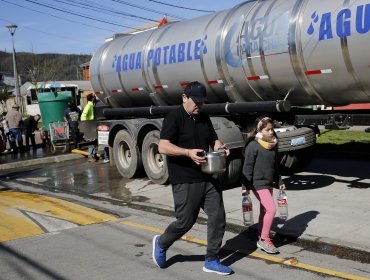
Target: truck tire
{"type": "Point", "coordinates": [126, 155]}
{"type": "Point", "coordinates": [231, 177]}
{"type": "Point", "coordinates": [155, 164]}
{"type": "Point", "coordinates": [295, 157]}
{"type": "Point", "coordinates": [285, 139]}
{"type": "Point", "coordinates": [295, 161]}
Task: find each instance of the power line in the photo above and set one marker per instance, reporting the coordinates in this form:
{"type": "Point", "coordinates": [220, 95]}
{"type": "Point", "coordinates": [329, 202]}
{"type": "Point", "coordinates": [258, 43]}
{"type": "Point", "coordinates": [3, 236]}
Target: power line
{"type": "Point", "coordinates": [64, 10]}
{"type": "Point", "coordinates": [79, 15]}
{"type": "Point", "coordinates": [102, 9]}
{"type": "Point", "coordinates": [147, 9]}
{"type": "Point", "coordinates": [181, 7]}
{"type": "Point", "coordinates": [55, 16]}
{"type": "Point", "coordinates": [63, 37]}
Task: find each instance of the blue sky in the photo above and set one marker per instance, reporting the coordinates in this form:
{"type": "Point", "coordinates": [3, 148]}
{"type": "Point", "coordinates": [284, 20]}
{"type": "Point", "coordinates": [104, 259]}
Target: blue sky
{"type": "Point", "coordinates": [53, 26]}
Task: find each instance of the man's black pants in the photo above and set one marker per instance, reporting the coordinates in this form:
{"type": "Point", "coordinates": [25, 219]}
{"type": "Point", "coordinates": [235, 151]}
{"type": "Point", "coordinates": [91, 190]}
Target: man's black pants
{"type": "Point", "coordinates": [189, 199]}
{"type": "Point", "coordinates": [30, 136]}
{"type": "Point", "coordinates": [75, 134]}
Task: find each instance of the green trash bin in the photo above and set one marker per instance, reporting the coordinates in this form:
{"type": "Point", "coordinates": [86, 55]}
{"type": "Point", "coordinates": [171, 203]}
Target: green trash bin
{"type": "Point", "coordinates": [52, 106]}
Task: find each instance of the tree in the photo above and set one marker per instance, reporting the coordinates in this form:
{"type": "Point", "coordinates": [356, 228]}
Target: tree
{"type": "Point", "coordinates": [64, 65]}
{"type": "Point", "coordinates": [38, 70]}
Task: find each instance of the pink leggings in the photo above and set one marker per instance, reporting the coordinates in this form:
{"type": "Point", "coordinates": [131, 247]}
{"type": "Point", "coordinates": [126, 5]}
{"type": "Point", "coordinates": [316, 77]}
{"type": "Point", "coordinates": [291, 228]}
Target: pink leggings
{"type": "Point", "coordinates": [267, 212]}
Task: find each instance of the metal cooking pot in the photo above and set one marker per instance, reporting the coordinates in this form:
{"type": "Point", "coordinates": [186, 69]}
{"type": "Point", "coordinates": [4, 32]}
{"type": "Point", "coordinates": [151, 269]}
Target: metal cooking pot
{"type": "Point", "coordinates": [216, 162]}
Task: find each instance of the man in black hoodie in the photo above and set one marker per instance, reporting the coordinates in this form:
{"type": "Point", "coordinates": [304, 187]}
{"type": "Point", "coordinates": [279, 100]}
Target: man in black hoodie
{"type": "Point", "coordinates": [30, 126]}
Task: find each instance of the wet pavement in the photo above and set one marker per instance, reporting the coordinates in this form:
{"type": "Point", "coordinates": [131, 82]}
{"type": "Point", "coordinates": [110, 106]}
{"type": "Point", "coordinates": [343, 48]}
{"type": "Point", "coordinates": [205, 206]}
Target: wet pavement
{"type": "Point", "coordinates": [43, 151]}
{"type": "Point", "coordinates": [80, 177]}
{"type": "Point", "coordinates": [40, 152]}
{"type": "Point", "coordinates": [31, 158]}
{"type": "Point", "coordinates": [328, 202]}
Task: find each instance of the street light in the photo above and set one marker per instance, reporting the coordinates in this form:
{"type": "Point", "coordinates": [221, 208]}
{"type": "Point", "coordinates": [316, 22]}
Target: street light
{"type": "Point", "coordinates": [12, 29]}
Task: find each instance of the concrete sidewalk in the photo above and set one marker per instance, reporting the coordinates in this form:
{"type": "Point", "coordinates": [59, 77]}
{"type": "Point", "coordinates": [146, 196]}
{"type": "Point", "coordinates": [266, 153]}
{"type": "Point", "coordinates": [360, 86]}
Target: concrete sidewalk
{"type": "Point", "coordinates": [328, 205]}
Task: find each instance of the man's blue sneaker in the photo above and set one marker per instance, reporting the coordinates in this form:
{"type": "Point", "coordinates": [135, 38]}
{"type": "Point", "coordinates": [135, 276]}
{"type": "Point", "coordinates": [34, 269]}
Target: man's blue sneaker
{"type": "Point", "coordinates": [216, 267]}
{"type": "Point", "coordinates": [159, 254]}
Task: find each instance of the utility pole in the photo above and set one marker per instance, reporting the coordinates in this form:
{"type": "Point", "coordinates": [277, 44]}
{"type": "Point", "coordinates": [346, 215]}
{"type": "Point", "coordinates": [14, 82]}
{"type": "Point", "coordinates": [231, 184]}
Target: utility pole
{"type": "Point", "coordinates": [12, 29]}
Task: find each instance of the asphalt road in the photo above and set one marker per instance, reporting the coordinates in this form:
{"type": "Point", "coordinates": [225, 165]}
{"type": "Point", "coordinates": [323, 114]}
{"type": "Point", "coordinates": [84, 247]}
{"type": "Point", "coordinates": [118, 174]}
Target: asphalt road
{"type": "Point", "coordinates": [44, 238]}
{"type": "Point", "coordinates": [78, 241]}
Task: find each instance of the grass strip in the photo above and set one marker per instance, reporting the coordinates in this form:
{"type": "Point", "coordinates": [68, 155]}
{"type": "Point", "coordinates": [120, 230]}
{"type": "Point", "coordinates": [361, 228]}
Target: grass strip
{"type": "Point", "coordinates": [348, 143]}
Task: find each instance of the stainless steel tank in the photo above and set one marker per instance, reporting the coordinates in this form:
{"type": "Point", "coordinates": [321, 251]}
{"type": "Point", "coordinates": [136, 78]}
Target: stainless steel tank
{"type": "Point", "coordinates": [310, 51]}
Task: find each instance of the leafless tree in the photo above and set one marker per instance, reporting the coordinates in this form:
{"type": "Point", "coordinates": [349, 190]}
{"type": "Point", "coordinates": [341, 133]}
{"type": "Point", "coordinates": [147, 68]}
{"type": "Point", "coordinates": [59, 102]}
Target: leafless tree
{"type": "Point", "coordinates": [40, 72]}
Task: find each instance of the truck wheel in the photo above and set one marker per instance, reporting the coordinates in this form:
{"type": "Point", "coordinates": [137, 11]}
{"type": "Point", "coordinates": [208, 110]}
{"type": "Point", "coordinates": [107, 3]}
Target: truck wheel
{"type": "Point", "coordinates": [155, 164]}
{"type": "Point", "coordinates": [296, 161]}
{"type": "Point", "coordinates": [286, 139]}
{"type": "Point", "coordinates": [126, 154]}
{"type": "Point", "coordinates": [231, 177]}
{"type": "Point", "coordinates": [294, 157]}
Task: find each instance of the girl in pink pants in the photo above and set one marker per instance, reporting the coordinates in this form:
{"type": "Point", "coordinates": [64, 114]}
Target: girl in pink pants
{"type": "Point", "coordinates": [261, 175]}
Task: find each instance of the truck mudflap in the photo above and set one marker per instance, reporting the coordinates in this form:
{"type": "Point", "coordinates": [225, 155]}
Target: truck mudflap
{"type": "Point", "coordinates": [295, 149]}
{"type": "Point", "coordinates": [88, 128]}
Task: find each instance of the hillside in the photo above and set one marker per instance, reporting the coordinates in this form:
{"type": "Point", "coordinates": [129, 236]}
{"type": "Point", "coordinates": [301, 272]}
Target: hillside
{"type": "Point", "coordinates": [43, 67]}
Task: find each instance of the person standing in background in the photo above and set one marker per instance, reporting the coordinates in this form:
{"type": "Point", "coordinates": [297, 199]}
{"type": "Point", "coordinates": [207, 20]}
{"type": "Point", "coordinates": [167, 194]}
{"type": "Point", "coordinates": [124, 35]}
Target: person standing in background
{"type": "Point", "coordinates": [88, 111]}
{"type": "Point", "coordinates": [88, 115]}
{"type": "Point", "coordinates": [105, 154]}
{"type": "Point", "coordinates": [72, 116]}
{"type": "Point", "coordinates": [4, 130]}
{"type": "Point", "coordinates": [4, 127]}
{"type": "Point", "coordinates": [30, 126]}
{"type": "Point", "coordinates": [14, 118]}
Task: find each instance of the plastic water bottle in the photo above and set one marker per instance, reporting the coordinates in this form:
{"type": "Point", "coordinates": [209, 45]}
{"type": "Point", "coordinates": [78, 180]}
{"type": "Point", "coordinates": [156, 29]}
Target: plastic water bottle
{"type": "Point", "coordinates": [247, 210]}
{"type": "Point", "coordinates": [282, 203]}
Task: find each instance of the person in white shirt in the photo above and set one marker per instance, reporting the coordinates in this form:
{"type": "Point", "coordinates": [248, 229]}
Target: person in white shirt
{"type": "Point", "coordinates": [4, 127]}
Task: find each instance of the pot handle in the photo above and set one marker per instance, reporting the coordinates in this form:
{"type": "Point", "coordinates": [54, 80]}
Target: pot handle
{"type": "Point", "coordinates": [221, 151]}
{"type": "Point", "coordinates": [202, 154]}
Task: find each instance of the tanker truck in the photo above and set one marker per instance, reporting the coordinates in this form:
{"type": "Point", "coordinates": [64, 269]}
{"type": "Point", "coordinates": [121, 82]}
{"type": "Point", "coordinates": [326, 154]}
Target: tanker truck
{"type": "Point", "coordinates": [259, 58]}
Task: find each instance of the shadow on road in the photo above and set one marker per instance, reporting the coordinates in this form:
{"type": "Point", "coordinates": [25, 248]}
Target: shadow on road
{"type": "Point", "coordinates": [181, 258]}
{"type": "Point", "coordinates": [20, 173]}
{"type": "Point", "coordinates": [244, 243]}
{"type": "Point", "coordinates": [239, 247]}
{"type": "Point", "coordinates": [292, 228]}
{"type": "Point", "coordinates": [20, 262]}
{"type": "Point", "coordinates": [308, 182]}
{"type": "Point", "coordinates": [342, 167]}
{"type": "Point", "coordinates": [357, 184]}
